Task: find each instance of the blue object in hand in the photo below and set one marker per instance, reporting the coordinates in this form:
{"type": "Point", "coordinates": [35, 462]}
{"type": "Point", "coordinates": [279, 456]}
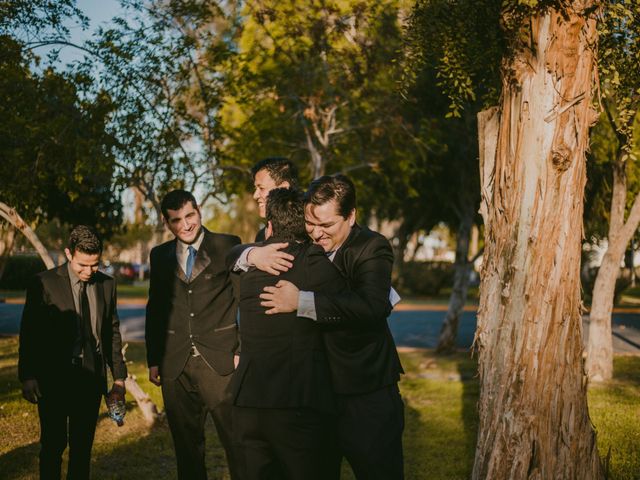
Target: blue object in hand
{"type": "Point", "coordinates": [116, 409]}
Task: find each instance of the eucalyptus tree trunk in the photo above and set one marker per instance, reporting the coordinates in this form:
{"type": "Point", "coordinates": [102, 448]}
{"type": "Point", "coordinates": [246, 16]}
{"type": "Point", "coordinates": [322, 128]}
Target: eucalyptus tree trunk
{"type": "Point", "coordinates": [600, 344]}
{"type": "Point", "coordinates": [462, 267]}
{"type": "Point", "coordinates": [7, 239]}
{"type": "Point", "coordinates": [10, 215]}
{"type": "Point", "coordinates": [534, 419]}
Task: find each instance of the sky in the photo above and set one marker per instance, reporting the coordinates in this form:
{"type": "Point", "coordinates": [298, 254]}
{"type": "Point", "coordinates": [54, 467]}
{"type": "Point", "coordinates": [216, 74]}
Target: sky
{"type": "Point", "coordinates": [99, 12]}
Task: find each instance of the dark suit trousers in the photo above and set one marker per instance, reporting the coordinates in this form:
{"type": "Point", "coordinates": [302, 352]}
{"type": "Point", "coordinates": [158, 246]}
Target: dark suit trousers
{"type": "Point", "coordinates": [198, 390]}
{"type": "Point", "coordinates": [370, 433]}
{"type": "Point", "coordinates": [283, 443]}
{"type": "Point", "coordinates": [68, 411]}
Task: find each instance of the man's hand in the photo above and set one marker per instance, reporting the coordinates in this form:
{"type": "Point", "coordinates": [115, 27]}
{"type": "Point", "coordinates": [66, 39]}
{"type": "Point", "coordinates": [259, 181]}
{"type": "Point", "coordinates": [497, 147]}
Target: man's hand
{"type": "Point", "coordinates": [154, 376]}
{"type": "Point", "coordinates": [283, 298]}
{"type": "Point", "coordinates": [270, 259]}
{"type": "Point", "coordinates": [117, 390]}
{"type": "Point", "coordinates": [31, 391]}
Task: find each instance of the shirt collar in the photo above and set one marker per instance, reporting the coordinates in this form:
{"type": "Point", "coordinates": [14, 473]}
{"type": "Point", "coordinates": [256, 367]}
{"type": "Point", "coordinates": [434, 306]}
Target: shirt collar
{"type": "Point", "coordinates": [196, 244]}
{"type": "Point", "coordinates": [72, 275]}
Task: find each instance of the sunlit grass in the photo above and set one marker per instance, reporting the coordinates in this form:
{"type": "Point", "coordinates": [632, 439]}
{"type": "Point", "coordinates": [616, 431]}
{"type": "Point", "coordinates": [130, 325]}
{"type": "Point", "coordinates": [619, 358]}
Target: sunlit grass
{"type": "Point", "coordinates": [440, 395]}
{"type": "Point", "coordinates": [615, 412]}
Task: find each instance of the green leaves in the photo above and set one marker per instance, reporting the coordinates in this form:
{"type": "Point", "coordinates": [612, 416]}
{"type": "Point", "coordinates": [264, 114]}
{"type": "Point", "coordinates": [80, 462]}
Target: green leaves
{"type": "Point", "coordinates": [315, 81]}
{"type": "Point", "coordinates": [55, 161]}
{"type": "Point", "coordinates": [618, 63]}
{"type": "Point", "coordinates": [463, 44]}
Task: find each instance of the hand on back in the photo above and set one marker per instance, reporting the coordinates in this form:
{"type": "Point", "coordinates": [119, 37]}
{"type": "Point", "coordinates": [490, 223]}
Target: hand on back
{"type": "Point", "coordinates": [271, 258]}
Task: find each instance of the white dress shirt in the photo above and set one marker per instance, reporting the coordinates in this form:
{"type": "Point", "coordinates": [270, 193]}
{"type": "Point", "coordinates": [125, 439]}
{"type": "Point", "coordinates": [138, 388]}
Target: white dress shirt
{"type": "Point", "coordinates": [182, 250]}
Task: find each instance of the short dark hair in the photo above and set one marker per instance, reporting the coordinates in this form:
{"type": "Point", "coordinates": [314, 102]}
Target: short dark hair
{"type": "Point", "coordinates": [285, 211]}
{"type": "Point", "coordinates": [280, 169]}
{"type": "Point", "coordinates": [85, 239]}
{"type": "Point", "coordinates": [333, 187]}
{"type": "Point", "coordinates": [175, 200]}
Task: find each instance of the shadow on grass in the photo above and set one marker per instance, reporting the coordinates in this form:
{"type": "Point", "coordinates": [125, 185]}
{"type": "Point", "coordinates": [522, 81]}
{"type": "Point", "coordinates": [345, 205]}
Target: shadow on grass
{"type": "Point", "coordinates": [143, 454]}
{"type": "Point", "coordinates": [468, 370]}
{"type": "Point", "coordinates": [627, 369]}
{"type": "Point", "coordinates": [441, 395]}
{"type": "Point", "coordinates": [21, 462]}
{"type": "Point", "coordinates": [151, 455]}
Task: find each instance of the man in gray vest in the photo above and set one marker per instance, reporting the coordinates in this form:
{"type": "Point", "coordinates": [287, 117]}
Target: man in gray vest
{"type": "Point", "coordinates": [191, 332]}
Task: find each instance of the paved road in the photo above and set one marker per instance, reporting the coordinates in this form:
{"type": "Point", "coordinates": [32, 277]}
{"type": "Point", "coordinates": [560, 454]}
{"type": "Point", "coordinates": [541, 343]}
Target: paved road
{"type": "Point", "coordinates": [410, 328]}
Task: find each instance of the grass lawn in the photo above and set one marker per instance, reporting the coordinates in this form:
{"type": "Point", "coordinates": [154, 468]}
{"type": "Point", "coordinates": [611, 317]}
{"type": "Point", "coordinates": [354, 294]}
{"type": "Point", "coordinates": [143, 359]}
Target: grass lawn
{"type": "Point", "coordinates": [137, 290]}
{"type": "Point", "coordinates": [441, 423]}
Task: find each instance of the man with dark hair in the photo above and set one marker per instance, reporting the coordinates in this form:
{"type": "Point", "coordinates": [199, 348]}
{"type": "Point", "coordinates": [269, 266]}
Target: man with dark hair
{"type": "Point", "coordinates": [283, 414]}
{"type": "Point", "coordinates": [69, 335]}
{"type": "Point", "coordinates": [364, 362]}
{"type": "Point", "coordinates": [267, 174]}
{"type": "Point", "coordinates": [191, 332]}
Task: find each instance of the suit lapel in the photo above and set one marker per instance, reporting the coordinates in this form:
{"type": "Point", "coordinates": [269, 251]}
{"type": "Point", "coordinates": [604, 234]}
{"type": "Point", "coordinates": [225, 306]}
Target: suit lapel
{"type": "Point", "coordinates": [64, 288]}
{"type": "Point", "coordinates": [172, 261]}
{"type": "Point", "coordinates": [202, 258]}
{"type": "Point", "coordinates": [340, 259]}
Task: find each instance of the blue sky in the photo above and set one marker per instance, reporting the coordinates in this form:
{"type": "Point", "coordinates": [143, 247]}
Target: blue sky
{"type": "Point", "coordinates": [99, 13]}
{"type": "Point", "coordinates": [99, 10]}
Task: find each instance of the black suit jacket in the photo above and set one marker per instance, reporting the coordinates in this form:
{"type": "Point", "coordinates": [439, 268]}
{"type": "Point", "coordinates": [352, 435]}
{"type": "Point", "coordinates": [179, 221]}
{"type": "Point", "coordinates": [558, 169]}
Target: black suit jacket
{"type": "Point", "coordinates": [283, 362]}
{"type": "Point", "coordinates": [49, 327]}
{"type": "Point", "coordinates": [202, 310]}
{"type": "Point", "coordinates": [360, 348]}
{"type": "Point", "coordinates": [260, 236]}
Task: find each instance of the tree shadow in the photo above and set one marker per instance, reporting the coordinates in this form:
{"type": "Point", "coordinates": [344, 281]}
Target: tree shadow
{"type": "Point", "coordinates": [441, 419]}
{"type": "Point", "coordinates": [21, 462]}
{"type": "Point", "coordinates": [135, 455]}
{"type": "Point", "coordinates": [468, 370]}
{"type": "Point", "coordinates": [152, 456]}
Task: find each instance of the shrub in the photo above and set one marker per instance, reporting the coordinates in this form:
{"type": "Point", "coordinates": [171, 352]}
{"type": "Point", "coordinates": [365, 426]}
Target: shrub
{"type": "Point", "coordinates": [19, 270]}
{"type": "Point", "coordinates": [425, 278]}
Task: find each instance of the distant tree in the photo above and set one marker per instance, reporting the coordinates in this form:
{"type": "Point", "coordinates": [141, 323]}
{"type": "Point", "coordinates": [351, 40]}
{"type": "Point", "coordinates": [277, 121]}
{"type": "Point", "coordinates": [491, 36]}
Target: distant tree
{"type": "Point", "coordinates": [30, 21]}
{"type": "Point", "coordinates": [454, 54]}
{"type": "Point", "coordinates": [315, 81]}
{"type": "Point", "coordinates": [620, 86]}
{"type": "Point", "coordinates": [160, 64]}
{"type": "Point", "coordinates": [56, 157]}
{"type": "Point", "coordinates": [55, 161]}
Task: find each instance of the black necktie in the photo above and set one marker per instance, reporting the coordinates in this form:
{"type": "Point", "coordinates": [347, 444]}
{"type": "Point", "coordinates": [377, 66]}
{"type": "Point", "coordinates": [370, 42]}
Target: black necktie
{"type": "Point", "coordinates": [88, 342]}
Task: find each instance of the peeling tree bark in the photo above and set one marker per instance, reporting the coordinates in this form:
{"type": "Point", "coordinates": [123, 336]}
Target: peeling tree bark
{"type": "Point", "coordinates": [534, 420]}
{"type": "Point", "coordinates": [600, 344]}
{"type": "Point", "coordinates": [10, 215]}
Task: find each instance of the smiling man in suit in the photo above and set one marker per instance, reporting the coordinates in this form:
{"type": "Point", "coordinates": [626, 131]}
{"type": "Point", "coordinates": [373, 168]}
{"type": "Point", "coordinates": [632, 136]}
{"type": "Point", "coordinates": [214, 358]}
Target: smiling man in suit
{"type": "Point", "coordinates": [69, 335]}
{"type": "Point", "coordinates": [191, 332]}
{"type": "Point", "coordinates": [267, 174]}
{"type": "Point", "coordinates": [364, 362]}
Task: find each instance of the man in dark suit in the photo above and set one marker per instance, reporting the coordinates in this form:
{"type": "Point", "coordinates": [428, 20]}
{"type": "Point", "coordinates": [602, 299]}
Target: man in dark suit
{"type": "Point", "coordinates": [283, 414]}
{"type": "Point", "coordinates": [362, 355]}
{"type": "Point", "coordinates": [69, 334]}
{"type": "Point", "coordinates": [191, 332]}
{"type": "Point", "coordinates": [267, 174]}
